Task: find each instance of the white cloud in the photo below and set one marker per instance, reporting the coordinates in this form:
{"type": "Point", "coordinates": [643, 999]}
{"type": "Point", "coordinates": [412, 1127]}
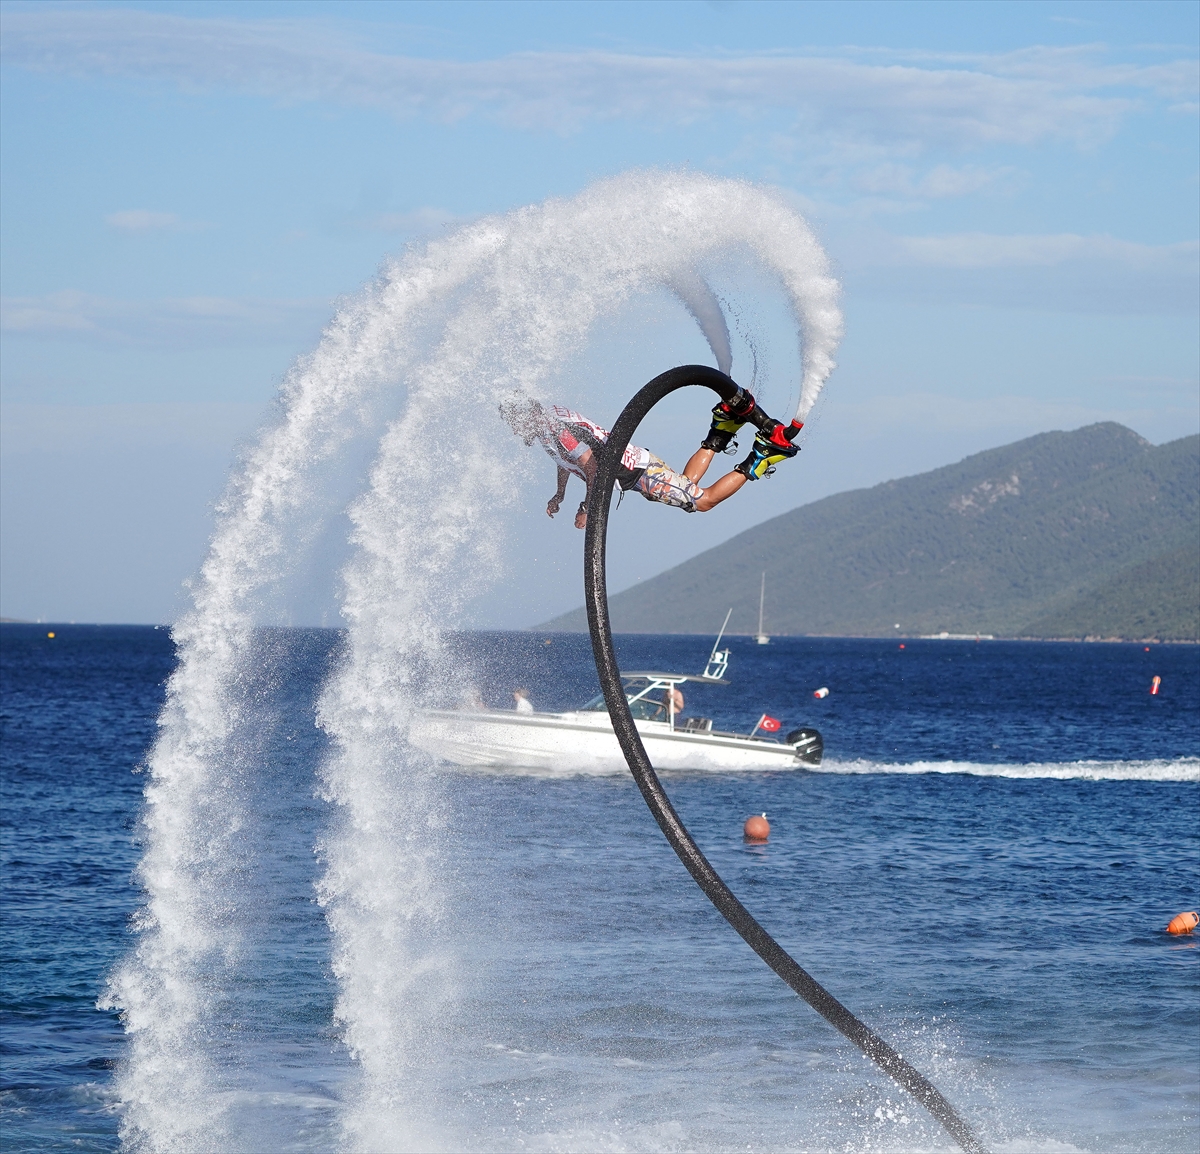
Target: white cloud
{"type": "Point", "coordinates": [142, 220]}
{"type": "Point", "coordinates": [67, 430]}
{"type": "Point", "coordinates": [175, 322]}
{"type": "Point", "coordinates": [939, 182]}
{"type": "Point", "coordinates": [1023, 97]}
{"type": "Point", "coordinates": [979, 250]}
{"type": "Point", "coordinates": [1009, 416]}
{"type": "Point", "coordinates": [1082, 66]}
{"type": "Point", "coordinates": [419, 220]}
{"type": "Point", "coordinates": [1173, 389]}
{"type": "Point", "coordinates": [1061, 272]}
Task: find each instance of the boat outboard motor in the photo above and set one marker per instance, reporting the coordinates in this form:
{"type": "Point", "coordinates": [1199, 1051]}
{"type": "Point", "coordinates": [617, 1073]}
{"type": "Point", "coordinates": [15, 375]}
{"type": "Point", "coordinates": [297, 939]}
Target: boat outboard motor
{"type": "Point", "coordinates": [809, 744]}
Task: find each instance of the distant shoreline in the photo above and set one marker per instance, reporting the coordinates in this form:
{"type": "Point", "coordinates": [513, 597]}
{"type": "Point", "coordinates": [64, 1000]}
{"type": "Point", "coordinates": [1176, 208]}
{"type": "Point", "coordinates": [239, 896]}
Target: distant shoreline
{"type": "Point", "coordinates": [905, 637]}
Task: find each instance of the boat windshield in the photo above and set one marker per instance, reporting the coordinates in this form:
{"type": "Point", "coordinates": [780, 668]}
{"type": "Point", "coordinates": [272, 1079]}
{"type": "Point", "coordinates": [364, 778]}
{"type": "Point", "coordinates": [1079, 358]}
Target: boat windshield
{"type": "Point", "coordinates": [642, 708]}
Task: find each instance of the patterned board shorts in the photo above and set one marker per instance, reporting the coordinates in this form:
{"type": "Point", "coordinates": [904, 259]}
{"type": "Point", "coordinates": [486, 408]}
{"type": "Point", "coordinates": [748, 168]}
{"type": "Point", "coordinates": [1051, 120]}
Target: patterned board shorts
{"type": "Point", "coordinates": [659, 482]}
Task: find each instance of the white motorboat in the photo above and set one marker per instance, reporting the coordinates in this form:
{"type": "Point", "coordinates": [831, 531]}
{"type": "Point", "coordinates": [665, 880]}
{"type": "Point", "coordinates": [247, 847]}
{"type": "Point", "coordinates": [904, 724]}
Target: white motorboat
{"type": "Point", "coordinates": [582, 740]}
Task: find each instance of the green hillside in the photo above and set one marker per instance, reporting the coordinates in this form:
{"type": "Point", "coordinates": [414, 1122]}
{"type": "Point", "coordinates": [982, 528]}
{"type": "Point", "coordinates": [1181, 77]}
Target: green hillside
{"type": "Point", "coordinates": [1063, 534]}
{"type": "Point", "coordinates": [1159, 598]}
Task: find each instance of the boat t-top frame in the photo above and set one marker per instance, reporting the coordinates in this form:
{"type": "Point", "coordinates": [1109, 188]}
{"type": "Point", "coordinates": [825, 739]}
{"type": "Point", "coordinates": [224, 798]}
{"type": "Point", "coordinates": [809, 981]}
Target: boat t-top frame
{"type": "Point", "coordinates": [714, 674]}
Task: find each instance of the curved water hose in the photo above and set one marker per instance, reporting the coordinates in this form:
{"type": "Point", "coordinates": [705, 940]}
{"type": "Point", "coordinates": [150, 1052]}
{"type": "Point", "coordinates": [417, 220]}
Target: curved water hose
{"type": "Point", "coordinates": [707, 878]}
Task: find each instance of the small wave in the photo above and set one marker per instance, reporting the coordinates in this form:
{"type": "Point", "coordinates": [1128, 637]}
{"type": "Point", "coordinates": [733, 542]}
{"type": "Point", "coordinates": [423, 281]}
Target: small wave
{"type": "Point", "coordinates": [1179, 769]}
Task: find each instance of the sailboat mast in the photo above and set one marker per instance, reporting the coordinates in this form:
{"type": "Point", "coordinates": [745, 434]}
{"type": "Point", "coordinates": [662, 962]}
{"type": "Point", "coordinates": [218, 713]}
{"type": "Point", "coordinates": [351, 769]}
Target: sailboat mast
{"type": "Point", "coordinates": [762, 592]}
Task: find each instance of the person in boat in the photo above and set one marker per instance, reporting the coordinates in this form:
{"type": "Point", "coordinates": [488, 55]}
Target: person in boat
{"type": "Point", "coordinates": [571, 439]}
{"type": "Point", "coordinates": [652, 709]}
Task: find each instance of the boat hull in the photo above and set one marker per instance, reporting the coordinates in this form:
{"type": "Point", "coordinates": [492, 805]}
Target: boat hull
{"type": "Point", "coordinates": [584, 742]}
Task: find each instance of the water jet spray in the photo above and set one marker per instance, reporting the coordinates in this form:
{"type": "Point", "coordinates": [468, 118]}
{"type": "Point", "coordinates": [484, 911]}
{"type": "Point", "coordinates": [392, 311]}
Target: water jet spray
{"type": "Point", "coordinates": [494, 308]}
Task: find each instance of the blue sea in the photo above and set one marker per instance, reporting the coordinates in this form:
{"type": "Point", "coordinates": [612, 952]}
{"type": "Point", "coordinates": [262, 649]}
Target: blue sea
{"type": "Point", "coordinates": [982, 869]}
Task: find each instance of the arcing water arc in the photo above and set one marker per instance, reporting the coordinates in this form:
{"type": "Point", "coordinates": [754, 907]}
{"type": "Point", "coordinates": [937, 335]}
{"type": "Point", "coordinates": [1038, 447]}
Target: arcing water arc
{"type": "Point", "coordinates": [455, 326]}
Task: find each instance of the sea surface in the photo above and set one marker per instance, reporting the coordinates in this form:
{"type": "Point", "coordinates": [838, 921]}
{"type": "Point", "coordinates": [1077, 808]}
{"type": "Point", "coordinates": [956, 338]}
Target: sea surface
{"type": "Point", "coordinates": [981, 869]}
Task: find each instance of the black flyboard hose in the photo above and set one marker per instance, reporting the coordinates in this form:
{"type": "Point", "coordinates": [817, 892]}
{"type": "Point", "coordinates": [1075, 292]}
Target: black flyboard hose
{"type": "Point", "coordinates": [596, 596]}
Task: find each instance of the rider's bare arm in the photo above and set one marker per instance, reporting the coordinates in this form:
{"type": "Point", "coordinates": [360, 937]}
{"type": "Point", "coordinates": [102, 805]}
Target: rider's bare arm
{"type": "Point", "coordinates": [555, 502]}
{"type": "Point", "coordinates": [587, 462]}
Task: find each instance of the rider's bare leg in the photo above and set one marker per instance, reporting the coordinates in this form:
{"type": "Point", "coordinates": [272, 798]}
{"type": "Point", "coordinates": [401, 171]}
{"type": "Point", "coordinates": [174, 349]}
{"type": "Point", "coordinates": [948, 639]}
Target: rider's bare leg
{"type": "Point", "coordinates": [718, 491]}
{"type": "Point", "coordinates": [698, 464]}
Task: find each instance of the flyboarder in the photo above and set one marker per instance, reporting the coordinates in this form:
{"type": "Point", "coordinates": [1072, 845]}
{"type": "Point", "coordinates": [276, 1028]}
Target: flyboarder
{"type": "Point", "coordinates": [570, 438]}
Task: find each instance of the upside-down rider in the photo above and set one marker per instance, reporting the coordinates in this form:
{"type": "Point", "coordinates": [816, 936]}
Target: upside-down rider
{"type": "Point", "coordinates": [570, 439]}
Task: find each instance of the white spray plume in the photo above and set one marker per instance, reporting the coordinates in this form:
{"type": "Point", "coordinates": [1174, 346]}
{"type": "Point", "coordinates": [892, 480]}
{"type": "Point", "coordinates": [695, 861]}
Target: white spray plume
{"type": "Point", "coordinates": [461, 323]}
{"type": "Point", "coordinates": [700, 300]}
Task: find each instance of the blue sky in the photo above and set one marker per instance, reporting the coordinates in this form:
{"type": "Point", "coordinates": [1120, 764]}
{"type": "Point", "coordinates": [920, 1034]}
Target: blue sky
{"type": "Point", "coordinates": [1008, 191]}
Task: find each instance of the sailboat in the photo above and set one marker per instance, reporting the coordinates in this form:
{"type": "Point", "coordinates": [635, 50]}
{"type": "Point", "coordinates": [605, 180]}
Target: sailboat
{"type": "Point", "coordinates": [760, 636]}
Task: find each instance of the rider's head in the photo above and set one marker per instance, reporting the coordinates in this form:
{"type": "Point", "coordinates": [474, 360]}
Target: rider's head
{"type": "Point", "coordinates": [524, 416]}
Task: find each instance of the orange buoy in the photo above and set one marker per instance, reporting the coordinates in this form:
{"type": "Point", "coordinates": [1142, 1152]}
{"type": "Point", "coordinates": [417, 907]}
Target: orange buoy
{"type": "Point", "coordinates": [757, 828]}
{"type": "Point", "coordinates": [49, 634]}
{"type": "Point", "coordinates": [1180, 924]}
{"type": "Point", "coordinates": [1154, 686]}
{"type": "Point", "coordinates": [822, 692]}
{"type": "Point", "coordinates": [902, 645]}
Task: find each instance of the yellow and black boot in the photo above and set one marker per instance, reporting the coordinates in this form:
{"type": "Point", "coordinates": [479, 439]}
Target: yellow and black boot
{"type": "Point", "coordinates": [772, 445]}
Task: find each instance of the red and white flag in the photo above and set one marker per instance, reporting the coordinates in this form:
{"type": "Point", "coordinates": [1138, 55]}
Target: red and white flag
{"type": "Point", "coordinates": [769, 724]}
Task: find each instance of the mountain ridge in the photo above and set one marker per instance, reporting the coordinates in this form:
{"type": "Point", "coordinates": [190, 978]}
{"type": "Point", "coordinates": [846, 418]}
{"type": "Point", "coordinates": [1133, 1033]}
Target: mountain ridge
{"type": "Point", "coordinates": [1008, 541]}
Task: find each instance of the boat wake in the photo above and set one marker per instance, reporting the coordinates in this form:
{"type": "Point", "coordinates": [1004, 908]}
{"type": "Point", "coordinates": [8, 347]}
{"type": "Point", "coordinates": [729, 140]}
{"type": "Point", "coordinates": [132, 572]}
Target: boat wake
{"type": "Point", "coordinates": [1178, 769]}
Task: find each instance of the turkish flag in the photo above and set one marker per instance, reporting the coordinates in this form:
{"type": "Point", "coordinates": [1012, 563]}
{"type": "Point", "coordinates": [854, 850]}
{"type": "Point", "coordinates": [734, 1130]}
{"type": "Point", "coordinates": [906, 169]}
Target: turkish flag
{"type": "Point", "coordinates": [770, 724]}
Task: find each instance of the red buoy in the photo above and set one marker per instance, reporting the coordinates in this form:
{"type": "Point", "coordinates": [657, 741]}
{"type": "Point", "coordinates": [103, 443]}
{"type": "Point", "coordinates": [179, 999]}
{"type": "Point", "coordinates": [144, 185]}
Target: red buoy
{"type": "Point", "coordinates": [1180, 924]}
{"type": "Point", "coordinates": [757, 828]}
